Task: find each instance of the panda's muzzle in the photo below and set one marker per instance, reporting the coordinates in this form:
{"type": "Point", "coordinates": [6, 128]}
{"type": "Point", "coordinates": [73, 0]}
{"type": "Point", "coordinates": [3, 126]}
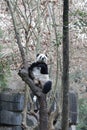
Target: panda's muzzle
{"type": "Point", "coordinates": [42, 59]}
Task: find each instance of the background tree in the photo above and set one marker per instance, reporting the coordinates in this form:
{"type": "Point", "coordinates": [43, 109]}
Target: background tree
{"type": "Point", "coordinates": [65, 77]}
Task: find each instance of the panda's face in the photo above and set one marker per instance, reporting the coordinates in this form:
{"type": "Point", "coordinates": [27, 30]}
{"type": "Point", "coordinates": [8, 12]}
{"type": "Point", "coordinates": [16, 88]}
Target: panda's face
{"type": "Point", "coordinates": [41, 58]}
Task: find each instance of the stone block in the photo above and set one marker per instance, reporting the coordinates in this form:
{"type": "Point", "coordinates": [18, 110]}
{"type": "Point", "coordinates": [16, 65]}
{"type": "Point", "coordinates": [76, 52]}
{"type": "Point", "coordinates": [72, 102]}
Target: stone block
{"type": "Point", "coordinates": [11, 128]}
{"type": "Point", "coordinates": [11, 102]}
{"type": "Point", "coordinates": [10, 118]}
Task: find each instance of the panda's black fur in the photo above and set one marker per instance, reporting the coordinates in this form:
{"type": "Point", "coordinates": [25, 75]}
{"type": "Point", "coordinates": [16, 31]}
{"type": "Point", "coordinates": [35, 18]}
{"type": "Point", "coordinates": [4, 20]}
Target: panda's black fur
{"type": "Point", "coordinates": [42, 70]}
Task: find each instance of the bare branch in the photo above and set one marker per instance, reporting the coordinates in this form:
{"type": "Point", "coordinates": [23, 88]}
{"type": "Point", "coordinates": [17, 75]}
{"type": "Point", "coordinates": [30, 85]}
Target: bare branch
{"type": "Point", "coordinates": [17, 34]}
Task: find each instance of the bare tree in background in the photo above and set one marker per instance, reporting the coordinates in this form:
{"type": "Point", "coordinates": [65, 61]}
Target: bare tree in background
{"type": "Point", "coordinates": [65, 78]}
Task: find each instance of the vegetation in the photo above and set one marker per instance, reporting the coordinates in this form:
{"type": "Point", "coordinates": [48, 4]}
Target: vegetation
{"type": "Point", "coordinates": [82, 124]}
{"type": "Point", "coordinates": [2, 78]}
{"type": "Point", "coordinates": [1, 33]}
{"type": "Point", "coordinates": [4, 71]}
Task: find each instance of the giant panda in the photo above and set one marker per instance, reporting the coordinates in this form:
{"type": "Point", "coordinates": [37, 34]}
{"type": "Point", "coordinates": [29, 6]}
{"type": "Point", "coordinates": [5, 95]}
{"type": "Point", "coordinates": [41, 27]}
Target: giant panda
{"type": "Point", "coordinates": [38, 71]}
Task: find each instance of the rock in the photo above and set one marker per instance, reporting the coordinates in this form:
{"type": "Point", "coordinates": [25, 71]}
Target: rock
{"type": "Point", "coordinates": [10, 118]}
{"type": "Point", "coordinates": [11, 128]}
{"type": "Point", "coordinates": [31, 121]}
{"type": "Point", "coordinates": [73, 109]}
{"type": "Point", "coordinates": [11, 102]}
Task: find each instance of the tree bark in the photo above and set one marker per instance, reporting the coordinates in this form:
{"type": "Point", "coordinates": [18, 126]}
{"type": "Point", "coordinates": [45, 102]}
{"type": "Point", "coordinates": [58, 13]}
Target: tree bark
{"type": "Point", "coordinates": [65, 77]}
{"type": "Point", "coordinates": [43, 113]}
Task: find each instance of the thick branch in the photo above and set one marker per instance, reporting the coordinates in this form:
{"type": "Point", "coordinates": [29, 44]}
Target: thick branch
{"type": "Point", "coordinates": [23, 73]}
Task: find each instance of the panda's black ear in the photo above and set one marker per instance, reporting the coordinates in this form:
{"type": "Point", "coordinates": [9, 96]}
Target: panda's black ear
{"type": "Point", "coordinates": [46, 55]}
{"type": "Point", "coordinates": [37, 55]}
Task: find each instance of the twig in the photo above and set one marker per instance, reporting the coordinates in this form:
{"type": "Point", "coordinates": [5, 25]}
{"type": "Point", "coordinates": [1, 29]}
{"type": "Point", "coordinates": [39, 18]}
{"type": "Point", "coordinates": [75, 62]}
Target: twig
{"type": "Point", "coordinates": [17, 34]}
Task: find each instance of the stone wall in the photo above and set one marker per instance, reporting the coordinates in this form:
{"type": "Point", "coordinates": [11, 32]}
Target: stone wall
{"type": "Point", "coordinates": [11, 107]}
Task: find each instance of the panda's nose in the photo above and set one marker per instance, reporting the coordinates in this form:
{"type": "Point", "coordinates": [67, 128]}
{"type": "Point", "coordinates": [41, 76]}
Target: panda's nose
{"type": "Point", "coordinates": [42, 59]}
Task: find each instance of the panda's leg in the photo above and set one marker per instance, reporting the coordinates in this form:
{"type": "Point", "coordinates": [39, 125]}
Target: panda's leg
{"type": "Point", "coordinates": [47, 87]}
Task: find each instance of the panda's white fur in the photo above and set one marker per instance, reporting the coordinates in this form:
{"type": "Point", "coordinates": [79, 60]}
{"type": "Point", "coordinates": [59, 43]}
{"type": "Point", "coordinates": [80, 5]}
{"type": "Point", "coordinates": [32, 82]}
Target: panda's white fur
{"type": "Point", "coordinates": [41, 58]}
{"type": "Point", "coordinates": [41, 77]}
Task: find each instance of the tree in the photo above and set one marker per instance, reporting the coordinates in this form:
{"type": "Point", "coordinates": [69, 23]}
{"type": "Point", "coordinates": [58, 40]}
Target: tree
{"type": "Point", "coordinates": [32, 20]}
{"type": "Point", "coordinates": [23, 73]}
{"type": "Point", "coordinates": [65, 77]}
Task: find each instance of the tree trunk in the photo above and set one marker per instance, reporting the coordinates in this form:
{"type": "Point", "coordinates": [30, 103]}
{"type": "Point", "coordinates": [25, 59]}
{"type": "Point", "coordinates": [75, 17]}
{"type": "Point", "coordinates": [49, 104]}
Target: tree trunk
{"type": "Point", "coordinates": [65, 77]}
{"type": "Point", "coordinates": [43, 113]}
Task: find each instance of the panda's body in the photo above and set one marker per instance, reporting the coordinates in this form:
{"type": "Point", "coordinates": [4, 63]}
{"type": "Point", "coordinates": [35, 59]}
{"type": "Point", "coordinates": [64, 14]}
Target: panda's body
{"type": "Point", "coordinates": [41, 77]}
{"type": "Point", "coordinates": [39, 70]}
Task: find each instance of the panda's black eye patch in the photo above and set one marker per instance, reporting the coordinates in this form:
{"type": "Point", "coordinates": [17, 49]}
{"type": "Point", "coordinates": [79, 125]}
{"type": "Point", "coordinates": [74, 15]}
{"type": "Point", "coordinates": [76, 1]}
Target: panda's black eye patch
{"type": "Point", "coordinates": [40, 57]}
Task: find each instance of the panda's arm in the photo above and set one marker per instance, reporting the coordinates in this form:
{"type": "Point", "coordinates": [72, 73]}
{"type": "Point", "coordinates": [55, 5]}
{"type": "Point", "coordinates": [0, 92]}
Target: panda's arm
{"type": "Point", "coordinates": [33, 65]}
{"type": "Point", "coordinates": [30, 69]}
{"type": "Point", "coordinates": [44, 68]}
